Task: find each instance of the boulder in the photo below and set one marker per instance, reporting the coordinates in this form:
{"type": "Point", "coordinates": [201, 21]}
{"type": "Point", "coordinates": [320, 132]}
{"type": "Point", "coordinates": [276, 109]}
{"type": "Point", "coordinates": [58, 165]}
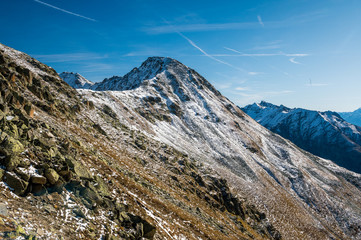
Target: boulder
{"type": "Point", "coordinates": [78, 168]}
{"type": "Point", "coordinates": [38, 179]}
{"type": "Point", "coordinates": [3, 210]}
{"type": "Point", "coordinates": [23, 174]}
{"type": "Point", "coordinates": [11, 150]}
{"type": "Point", "coordinates": [101, 187]}
{"type": "Point", "coordinates": [144, 228]}
{"type": "Point", "coordinates": [17, 184]}
{"type": "Point", "coordinates": [37, 189]}
{"type": "Point", "coordinates": [13, 145]}
{"type": "Point", "coordinates": [29, 109]}
{"type": "Point", "coordinates": [51, 175]}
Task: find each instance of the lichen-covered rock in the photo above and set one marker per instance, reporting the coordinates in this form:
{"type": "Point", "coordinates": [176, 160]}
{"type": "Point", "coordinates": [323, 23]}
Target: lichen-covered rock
{"type": "Point", "coordinates": [78, 169]}
{"type": "Point", "coordinates": [51, 175]}
{"type": "Point", "coordinates": [11, 148]}
{"type": "Point", "coordinates": [38, 179]}
{"type": "Point", "coordinates": [13, 181]}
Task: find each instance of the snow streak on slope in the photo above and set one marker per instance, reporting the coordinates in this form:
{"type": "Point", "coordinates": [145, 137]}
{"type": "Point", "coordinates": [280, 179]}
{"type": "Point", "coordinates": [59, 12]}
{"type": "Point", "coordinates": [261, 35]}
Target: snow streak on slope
{"type": "Point", "coordinates": [325, 134]}
{"type": "Point", "coordinates": [307, 197]}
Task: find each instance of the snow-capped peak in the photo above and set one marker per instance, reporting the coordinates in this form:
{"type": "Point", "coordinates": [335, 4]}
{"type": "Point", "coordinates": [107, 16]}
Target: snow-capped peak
{"type": "Point", "coordinates": [76, 80]}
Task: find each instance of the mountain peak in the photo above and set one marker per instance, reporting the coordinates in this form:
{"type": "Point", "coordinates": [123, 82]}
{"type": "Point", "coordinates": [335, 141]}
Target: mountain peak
{"type": "Point", "coordinates": [160, 60]}
{"type": "Point", "coordinates": [159, 72]}
{"type": "Point", "coordinates": [76, 80]}
{"type": "Point", "coordinates": [160, 63]}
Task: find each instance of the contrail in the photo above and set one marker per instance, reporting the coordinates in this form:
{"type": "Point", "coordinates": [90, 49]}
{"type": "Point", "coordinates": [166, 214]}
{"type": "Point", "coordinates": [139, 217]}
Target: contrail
{"type": "Point", "coordinates": [201, 50]}
{"type": "Point", "coordinates": [260, 20]}
{"type": "Point", "coordinates": [63, 10]}
{"type": "Point", "coordinates": [207, 55]}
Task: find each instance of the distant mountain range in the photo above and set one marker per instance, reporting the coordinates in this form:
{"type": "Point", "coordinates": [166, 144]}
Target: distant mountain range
{"type": "Point", "coordinates": [352, 117]}
{"type": "Point", "coordinates": [325, 134]}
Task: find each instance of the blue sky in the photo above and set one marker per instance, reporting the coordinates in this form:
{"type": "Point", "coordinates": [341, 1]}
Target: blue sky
{"type": "Point", "coordinates": [298, 53]}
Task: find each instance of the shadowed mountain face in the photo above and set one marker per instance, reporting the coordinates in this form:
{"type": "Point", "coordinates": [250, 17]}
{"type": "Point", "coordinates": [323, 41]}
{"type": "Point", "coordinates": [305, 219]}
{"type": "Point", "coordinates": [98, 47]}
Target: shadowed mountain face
{"type": "Point", "coordinates": [160, 154]}
{"type": "Point", "coordinates": [325, 134]}
{"type": "Point", "coordinates": [352, 117]}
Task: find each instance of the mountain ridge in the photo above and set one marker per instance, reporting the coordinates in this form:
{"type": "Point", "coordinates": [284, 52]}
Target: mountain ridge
{"type": "Point", "coordinates": [325, 134]}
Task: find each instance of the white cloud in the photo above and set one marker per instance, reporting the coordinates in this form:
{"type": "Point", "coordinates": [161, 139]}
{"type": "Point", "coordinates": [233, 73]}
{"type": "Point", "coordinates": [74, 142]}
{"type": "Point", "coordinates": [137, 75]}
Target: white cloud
{"type": "Point", "coordinates": [66, 11]}
{"type": "Point", "coordinates": [279, 92]}
{"type": "Point", "coordinates": [317, 84]}
{"type": "Point", "coordinates": [201, 27]}
{"type": "Point", "coordinates": [260, 20]}
{"type": "Point", "coordinates": [222, 86]}
{"type": "Point", "coordinates": [68, 57]}
{"type": "Point", "coordinates": [242, 89]}
{"type": "Point", "coordinates": [271, 45]}
{"type": "Point", "coordinates": [254, 73]}
{"type": "Point", "coordinates": [292, 60]}
{"type": "Point", "coordinates": [240, 54]}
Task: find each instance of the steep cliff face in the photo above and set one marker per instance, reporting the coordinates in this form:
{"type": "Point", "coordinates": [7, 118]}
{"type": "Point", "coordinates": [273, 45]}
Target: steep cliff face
{"type": "Point", "coordinates": [325, 134]}
{"type": "Point", "coordinates": [71, 169]}
{"type": "Point", "coordinates": [305, 197]}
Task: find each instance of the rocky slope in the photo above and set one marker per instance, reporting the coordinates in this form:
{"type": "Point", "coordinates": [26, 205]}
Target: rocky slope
{"type": "Point", "coordinates": [325, 134]}
{"type": "Point", "coordinates": [72, 170]}
{"type": "Point", "coordinates": [305, 197]}
{"type": "Point", "coordinates": [352, 117]}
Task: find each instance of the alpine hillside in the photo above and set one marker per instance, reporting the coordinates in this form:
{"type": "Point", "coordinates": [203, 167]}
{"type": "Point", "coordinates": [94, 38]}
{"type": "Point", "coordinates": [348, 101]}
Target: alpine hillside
{"type": "Point", "coordinates": [71, 170]}
{"type": "Point", "coordinates": [305, 197]}
{"type": "Point", "coordinates": [156, 154]}
{"type": "Point", "coordinates": [325, 134]}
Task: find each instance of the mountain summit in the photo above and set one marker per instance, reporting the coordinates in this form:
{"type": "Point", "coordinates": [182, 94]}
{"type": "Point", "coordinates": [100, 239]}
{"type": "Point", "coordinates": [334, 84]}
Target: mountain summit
{"type": "Point", "coordinates": [325, 134]}
{"type": "Point", "coordinates": [155, 71]}
{"type": "Point", "coordinates": [173, 104]}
